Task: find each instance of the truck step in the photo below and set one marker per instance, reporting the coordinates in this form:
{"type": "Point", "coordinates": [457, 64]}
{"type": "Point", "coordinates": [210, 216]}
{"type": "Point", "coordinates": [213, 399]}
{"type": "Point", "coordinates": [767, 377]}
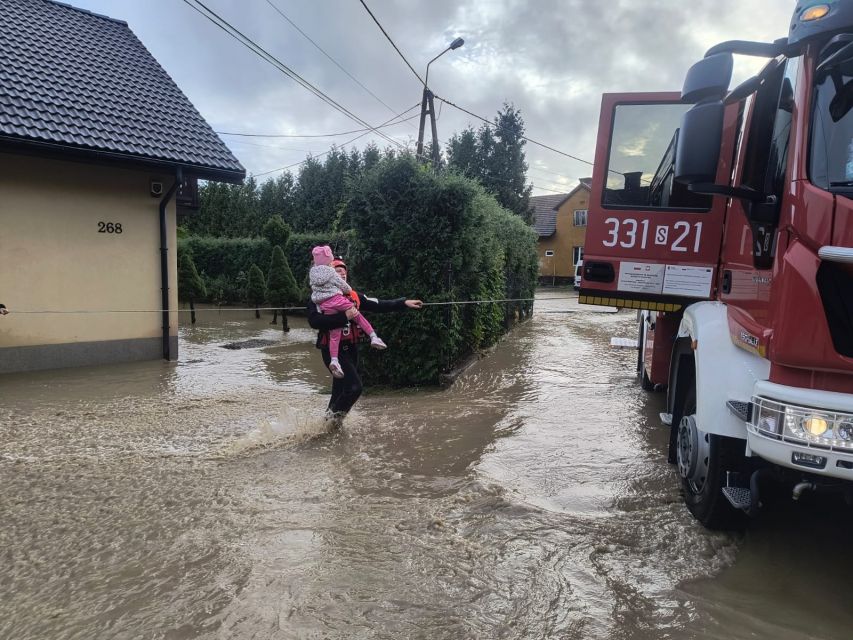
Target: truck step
{"type": "Point", "coordinates": [666, 418]}
{"type": "Point", "coordinates": [742, 410]}
{"type": "Point", "coordinates": [739, 497]}
{"type": "Point", "coordinates": [624, 343]}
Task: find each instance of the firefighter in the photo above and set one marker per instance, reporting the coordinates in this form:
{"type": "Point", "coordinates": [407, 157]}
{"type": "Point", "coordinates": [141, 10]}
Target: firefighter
{"type": "Point", "coordinates": [346, 390]}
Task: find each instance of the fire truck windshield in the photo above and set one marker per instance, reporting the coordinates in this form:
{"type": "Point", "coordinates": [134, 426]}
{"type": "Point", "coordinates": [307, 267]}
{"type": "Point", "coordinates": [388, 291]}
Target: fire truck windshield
{"type": "Point", "coordinates": [831, 165]}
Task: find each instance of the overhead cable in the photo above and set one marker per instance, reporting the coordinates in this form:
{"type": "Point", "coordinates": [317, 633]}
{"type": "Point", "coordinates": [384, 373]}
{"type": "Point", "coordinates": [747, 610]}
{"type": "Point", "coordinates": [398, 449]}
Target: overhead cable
{"type": "Point", "coordinates": [366, 131]}
{"type": "Point", "coordinates": [497, 126]}
{"type": "Point", "coordinates": [396, 48]}
{"type": "Point", "coordinates": [323, 51]}
{"type": "Point", "coordinates": [223, 24]}
{"type": "Point", "coordinates": [320, 135]}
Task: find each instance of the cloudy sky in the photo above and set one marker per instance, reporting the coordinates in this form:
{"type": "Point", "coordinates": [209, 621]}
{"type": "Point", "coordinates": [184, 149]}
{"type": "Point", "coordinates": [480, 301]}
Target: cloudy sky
{"type": "Point", "coordinates": [551, 58]}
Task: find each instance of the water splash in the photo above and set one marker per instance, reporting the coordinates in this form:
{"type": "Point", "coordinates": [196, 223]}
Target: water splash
{"type": "Point", "coordinates": [290, 428]}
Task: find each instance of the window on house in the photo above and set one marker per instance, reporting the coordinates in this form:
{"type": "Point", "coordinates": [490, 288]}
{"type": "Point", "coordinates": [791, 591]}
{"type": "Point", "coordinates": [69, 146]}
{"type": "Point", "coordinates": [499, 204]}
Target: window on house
{"type": "Point", "coordinates": [577, 255]}
{"type": "Point", "coordinates": [580, 217]}
{"type": "Point", "coordinates": [549, 254]}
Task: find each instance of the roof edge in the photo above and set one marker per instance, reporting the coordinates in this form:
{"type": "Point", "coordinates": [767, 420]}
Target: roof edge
{"type": "Point", "coordinates": [91, 13]}
{"type": "Point", "coordinates": [94, 156]}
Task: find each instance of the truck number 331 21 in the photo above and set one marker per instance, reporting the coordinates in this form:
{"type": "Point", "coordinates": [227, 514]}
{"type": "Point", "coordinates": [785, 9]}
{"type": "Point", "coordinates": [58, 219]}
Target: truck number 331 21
{"type": "Point", "coordinates": [681, 237]}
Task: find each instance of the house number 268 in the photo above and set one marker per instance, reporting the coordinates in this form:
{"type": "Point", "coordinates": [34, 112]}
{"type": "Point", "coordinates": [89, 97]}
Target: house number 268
{"type": "Point", "coordinates": [109, 227]}
{"type": "Point", "coordinates": [630, 233]}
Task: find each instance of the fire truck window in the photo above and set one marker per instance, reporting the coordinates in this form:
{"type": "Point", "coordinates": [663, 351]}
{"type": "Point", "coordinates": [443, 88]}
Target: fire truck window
{"type": "Point", "coordinates": [755, 164]}
{"type": "Point", "coordinates": [642, 160]}
{"type": "Point", "coordinates": [831, 165]}
{"type": "Point", "coordinates": [777, 162]}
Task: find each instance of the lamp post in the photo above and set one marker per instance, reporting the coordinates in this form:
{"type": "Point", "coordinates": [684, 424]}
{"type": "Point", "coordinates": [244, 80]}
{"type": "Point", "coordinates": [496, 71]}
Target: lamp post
{"type": "Point", "coordinates": [428, 107]}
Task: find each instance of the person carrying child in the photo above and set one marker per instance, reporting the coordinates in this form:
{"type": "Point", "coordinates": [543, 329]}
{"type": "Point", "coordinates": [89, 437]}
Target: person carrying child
{"type": "Point", "coordinates": [327, 292]}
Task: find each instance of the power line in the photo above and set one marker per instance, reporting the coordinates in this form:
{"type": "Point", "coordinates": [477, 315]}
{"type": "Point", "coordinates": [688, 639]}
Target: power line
{"type": "Point", "coordinates": [317, 135]}
{"type": "Point", "coordinates": [497, 126]}
{"type": "Point", "coordinates": [396, 48]}
{"type": "Point", "coordinates": [278, 64]}
{"type": "Point", "coordinates": [325, 153]}
{"type": "Point", "coordinates": [323, 51]}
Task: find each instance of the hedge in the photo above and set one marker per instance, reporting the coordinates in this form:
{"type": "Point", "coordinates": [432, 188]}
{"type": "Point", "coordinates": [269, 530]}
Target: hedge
{"type": "Point", "coordinates": [440, 238]}
{"type": "Point", "coordinates": [224, 263]}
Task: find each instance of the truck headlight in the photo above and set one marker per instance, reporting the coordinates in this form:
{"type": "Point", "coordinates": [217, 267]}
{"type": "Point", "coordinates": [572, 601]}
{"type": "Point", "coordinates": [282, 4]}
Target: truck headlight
{"type": "Point", "coordinates": [822, 428]}
{"type": "Point", "coordinates": [815, 425]}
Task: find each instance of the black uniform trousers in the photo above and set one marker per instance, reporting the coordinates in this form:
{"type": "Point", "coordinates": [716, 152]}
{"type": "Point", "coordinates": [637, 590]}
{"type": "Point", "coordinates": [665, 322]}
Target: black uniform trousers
{"type": "Point", "coordinates": [347, 390]}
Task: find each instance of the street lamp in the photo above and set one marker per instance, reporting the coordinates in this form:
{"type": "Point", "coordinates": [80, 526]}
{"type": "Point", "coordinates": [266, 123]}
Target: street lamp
{"type": "Point", "coordinates": [453, 45]}
{"type": "Point", "coordinates": [428, 107]}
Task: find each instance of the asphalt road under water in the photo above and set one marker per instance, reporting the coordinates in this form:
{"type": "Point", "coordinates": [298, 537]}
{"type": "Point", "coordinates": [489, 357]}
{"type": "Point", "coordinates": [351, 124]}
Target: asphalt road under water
{"type": "Point", "coordinates": [203, 499]}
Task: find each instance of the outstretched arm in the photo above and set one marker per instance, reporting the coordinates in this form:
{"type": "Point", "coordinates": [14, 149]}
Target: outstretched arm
{"type": "Point", "coordinates": [374, 305]}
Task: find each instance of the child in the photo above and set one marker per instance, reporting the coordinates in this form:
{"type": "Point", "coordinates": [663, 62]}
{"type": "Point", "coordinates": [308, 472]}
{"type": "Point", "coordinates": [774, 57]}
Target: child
{"type": "Point", "coordinates": [327, 292]}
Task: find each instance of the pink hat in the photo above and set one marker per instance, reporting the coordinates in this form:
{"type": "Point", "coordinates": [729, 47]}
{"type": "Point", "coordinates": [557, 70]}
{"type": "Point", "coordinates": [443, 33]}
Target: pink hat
{"type": "Point", "coordinates": [322, 254]}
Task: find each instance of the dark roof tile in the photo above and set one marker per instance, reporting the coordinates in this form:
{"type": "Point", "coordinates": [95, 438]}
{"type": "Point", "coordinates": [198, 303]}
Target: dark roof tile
{"type": "Point", "coordinates": [72, 77]}
{"type": "Point", "coordinates": [545, 213]}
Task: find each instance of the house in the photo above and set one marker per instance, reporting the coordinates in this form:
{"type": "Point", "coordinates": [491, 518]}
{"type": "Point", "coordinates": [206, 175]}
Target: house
{"type": "Point", "coordinates": [560, 220]}
{"type": "Point", "coordinates": [95, 139]}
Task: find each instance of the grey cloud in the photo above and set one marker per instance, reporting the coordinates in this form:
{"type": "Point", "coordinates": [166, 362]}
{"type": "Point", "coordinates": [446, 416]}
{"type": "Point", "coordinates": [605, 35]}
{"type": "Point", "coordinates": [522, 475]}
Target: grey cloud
{"type": "Point", "coordinates": [551, 58]}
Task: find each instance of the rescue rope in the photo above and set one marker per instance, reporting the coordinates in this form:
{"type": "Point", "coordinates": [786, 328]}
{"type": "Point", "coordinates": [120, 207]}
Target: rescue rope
{"type": "Point", "coordinates": [229, 309]}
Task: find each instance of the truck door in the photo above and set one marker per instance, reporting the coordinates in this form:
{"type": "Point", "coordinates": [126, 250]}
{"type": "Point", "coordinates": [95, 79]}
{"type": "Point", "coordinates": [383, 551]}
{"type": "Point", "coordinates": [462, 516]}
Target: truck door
{"type": "Point", "coordinates": [650, 243]}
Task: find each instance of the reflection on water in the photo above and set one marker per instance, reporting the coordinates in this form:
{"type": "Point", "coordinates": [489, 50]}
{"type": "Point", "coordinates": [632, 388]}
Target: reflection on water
{"type": "Point", "coordinates": [205, 498]}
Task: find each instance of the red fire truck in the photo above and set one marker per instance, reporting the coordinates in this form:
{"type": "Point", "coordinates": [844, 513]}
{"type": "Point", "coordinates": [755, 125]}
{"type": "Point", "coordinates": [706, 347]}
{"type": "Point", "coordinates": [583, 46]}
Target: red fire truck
{"type": "Point", "coordinates": [725, 216]}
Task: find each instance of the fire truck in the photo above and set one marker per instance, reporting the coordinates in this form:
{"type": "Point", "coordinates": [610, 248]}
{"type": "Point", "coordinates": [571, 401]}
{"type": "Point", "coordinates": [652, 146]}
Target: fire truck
{"type": "Point", "coordinates": [725, 217]}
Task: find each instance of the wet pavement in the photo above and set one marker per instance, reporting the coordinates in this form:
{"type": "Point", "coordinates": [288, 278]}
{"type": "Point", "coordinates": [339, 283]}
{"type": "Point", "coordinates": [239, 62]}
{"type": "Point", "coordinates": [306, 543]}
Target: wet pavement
{"type": "Point", "coordinates": [203, 499]}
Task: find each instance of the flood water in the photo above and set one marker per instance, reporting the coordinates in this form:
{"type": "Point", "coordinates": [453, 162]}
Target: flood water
{"type": "Point", "coordinates": [532, 499]}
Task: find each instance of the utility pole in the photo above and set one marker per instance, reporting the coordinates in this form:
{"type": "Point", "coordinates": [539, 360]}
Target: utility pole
{"type": "Point", "coordinates": [428, 107]}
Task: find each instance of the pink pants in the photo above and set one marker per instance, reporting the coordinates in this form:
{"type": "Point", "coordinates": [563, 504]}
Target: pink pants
{"type": "Point", "coordinates": [336, 304]}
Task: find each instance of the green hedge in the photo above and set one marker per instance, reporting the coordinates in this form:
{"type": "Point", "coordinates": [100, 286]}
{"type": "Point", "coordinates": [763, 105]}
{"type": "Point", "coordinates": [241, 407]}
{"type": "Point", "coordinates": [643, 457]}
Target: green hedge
{"type": "Point", "coordinates": [438, 238]}
{"type": "Point", "coordinates": [224, 263]}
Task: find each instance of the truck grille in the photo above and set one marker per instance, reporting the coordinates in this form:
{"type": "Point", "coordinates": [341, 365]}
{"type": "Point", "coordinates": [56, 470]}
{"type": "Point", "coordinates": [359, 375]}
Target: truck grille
{"type": "Point", "coordinates": [835, 283]}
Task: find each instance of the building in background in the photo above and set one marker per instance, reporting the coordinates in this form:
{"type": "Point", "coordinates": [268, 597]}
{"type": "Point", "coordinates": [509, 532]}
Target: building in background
{"type": "Point", "coordinates": [560, 221]}
{"type": "Point", "coordinates": [95, 139]}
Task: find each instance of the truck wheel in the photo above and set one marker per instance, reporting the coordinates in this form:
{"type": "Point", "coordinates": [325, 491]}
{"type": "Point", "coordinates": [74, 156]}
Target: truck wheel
{"type": "Point", "coordinates": [645, 383]}
{"type": "Point", "coordinates": [703, 459]}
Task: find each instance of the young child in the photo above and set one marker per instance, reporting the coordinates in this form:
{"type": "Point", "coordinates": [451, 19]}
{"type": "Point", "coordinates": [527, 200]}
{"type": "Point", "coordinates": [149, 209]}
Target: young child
{"type": "Point", "coordinates": [327, 292]}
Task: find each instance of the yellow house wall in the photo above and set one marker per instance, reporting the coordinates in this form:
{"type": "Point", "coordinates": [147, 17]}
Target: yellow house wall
{"type": "Point", "coordinates": [565, 238]}
{"type": "Point", "coordinates": [52, 257]}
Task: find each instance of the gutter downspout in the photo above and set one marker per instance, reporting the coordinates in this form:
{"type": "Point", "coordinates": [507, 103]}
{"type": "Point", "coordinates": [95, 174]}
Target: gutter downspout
{"type": "Point", "coordinates": [164, 262]}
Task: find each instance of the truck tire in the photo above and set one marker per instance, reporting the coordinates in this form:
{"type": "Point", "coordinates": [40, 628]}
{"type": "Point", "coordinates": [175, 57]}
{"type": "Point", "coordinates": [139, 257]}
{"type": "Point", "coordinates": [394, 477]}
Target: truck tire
{"type": "Point", "coordinates": [703, 460]}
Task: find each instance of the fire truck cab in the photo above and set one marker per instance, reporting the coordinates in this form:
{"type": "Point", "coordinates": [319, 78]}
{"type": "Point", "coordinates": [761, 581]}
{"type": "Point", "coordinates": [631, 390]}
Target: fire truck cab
{"type": "Point", "coordinates": [725, 216]}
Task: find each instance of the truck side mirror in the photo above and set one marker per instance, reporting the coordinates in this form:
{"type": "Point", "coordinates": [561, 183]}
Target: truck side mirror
{"type": "Point", "coordinates": [699, 141]}
{"type": "Point", "coordinates": [708, 79]}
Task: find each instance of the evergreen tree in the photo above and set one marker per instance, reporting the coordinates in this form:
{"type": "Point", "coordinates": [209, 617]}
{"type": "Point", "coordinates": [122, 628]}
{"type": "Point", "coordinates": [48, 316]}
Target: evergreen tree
{"type": "Point", "coordinates": [463, 154]}
{"type": "Point", "coordinates": [507, 167]}
{"type": "Point", "coordinates": [275, 197]}
{"type": "Point", "coordinates": [371, 157]}
{"type": "Point", "coordinates": [308, 196]}
{"type": "Point", "coordinates": [190, 284]}
{"type": "Point", "coordinates": [282, 290]}
{"type": "Point", "coordinates": [277, 231]}
{"type": "Point", "coordinates": [494, 156]}
{"type": "Point", "coordinates": [256, 288]}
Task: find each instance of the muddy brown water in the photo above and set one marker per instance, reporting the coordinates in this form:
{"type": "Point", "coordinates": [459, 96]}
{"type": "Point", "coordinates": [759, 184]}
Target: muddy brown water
{"type": "Point", "coordinates": [201, 499]}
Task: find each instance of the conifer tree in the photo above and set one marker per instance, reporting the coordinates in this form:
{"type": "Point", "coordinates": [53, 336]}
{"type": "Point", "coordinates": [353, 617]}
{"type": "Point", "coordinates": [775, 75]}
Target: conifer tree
{"type": "Point", "coordinates": [277, 231]}
{"type": "Point", "coordinates": [282, 289]}
{"type": "Point", "coordinates": [190, 284]}
{"type": "Point", "coordinates": [256, 288]}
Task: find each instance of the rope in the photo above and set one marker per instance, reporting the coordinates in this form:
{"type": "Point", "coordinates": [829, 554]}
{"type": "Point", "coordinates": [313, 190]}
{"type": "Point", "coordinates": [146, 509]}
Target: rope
{"type": "Point", "coordinates": [228, 309]}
